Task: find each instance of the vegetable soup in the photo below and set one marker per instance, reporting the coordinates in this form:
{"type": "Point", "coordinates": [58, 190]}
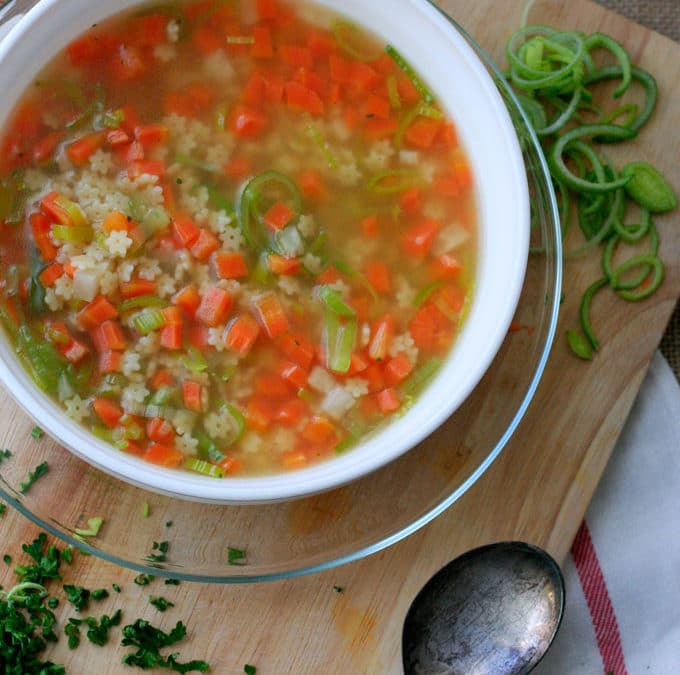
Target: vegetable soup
{"type": "Point", "coordinates": [237, 237]}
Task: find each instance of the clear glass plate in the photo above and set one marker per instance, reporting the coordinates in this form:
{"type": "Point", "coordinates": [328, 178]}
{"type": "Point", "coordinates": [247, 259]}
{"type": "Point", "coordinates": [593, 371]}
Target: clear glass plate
{"type": "Point", "coordinates": [308, 535]}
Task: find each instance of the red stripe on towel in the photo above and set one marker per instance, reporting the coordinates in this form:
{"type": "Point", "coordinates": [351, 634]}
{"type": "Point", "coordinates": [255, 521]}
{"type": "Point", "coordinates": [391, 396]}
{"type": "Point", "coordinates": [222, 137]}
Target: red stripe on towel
{"type": "Point", "coordinates": [599, 602]}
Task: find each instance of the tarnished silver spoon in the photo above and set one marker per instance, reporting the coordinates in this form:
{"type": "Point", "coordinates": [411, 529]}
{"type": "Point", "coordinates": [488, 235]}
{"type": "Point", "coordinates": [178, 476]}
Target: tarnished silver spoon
{"type": "Point", "coordinates": [492, 611]}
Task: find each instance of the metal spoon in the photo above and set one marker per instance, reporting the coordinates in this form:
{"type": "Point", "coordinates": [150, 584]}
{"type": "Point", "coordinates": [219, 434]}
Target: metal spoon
{"type": "Point", "coordinates": [495, 610]}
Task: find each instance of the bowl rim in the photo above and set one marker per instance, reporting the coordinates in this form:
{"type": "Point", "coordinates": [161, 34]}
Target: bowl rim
{"type": "Point", "coordinates": [339, 470]}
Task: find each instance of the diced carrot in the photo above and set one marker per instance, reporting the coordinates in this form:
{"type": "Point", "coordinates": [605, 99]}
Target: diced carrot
{"type": "Point", "coordinates": [376, 129]}
{"type": "Point", "coordinates": [108, 411]}
{"type": "Point", "coordinates": [283, 266]}
{"type": "Point", "coordinates": [271, 314]}
{"type": "Point", "coordinates": [273, 88]}
{"type": "Point", "coordinates": [296, 57]}
{"type": "Point", "coordinates": [131, 120]}
{"type": "Point", "coordinates": [45, 148]}
{"type": "Point", "coordinates": [41, 227]}
{"type": "Point", "coordinates": [364, 78]}
{"type": "Point", "coordinates": [445, 267]}
{"type": "Point", "coordinates": [260, 413]}
{"type": "Point", "coordinates": [463, 174]}
{"type": "Point", "coordinates": [358, 364]}
{"type": "Point", "coordinates": [242, 334]}
{"type": "Point", "coordinates": [96, 312]}
{"type": "Point", "coordinates": [246, 122]}
{"type": "Point", "coordinates": [267, 9]}
{"type": "Point", "coordinates": [398, 369]}
{"type": "Point", "coordinates": [407, 90]}
{"type": "Point", "coordinates": [272, 386]}
{"type": "Point", "coordinates": [311, 184]}
{"type": "Point", "coordinates": [375, 377]}
{"type": "Point", "coordinates": [328, 276]}
{"type": "Point", "coordinates": [378, 275]}
{"type": "Point", "coordinates": [110, 362]}
{"type": "Point", "coordinates": [334, 94]}
{"type": "Point", "coordinates": [377, 106]}
{"type": "Point", "coordinates": [351, 117]}
{"type": "Point", "coordinates": [254, 90]}
{"type": "Point", "coordinates": [388, 400]}
{"type": "Point", "coordinates": [207, 40]}
{"type": "Point", "coordinates": [312, 81]}
{"type": "Point", "coordinates": [164, 455]}
{"type": "Point", "coordinates": [150, 135]}
{"type": "Point", "coordinates": [321, 44]}
{"type": "Point", "coordinates": [292, 412]}
{"type": "Point", "coordinates": [230, 265]}
{"type": "Point", "coordinates": [75, 351]}
{"type": "Point", "coordinates": [149, 31]}
{"type": "Point", "coordinates": [278, 216]}
{"type": "Point", "coordinates": [81, 150]}
{"type": "Point", "coordinates": [172, 316]}
{"type": "Point", "coordinates": [215, 306]}
{"type": "Point", "coordinates": [369, 226]}
{"type": "Point", "coordinates": [302, 98]}
{"type": "Point", "coordinates": [135, 288]}
{"type": "Point", "coordinates": [319, 429]}
{"type": "Point", "coordinates": [185, 230]}
{"type": "Point", "coordinates": [263, 47]}
{"type": "Point", "coordinates": [162, 378]}
{"type": "Point", "coordinates": [50, 274]}
{"type": "Point", "coordinates": [230, 465]}
{"type": "Point", "coordinates": [297, 348]}
{"type": "Point", "coordinates": [148, 167]}
{"type": "Point", "coordinates": [84, 50]}
{"type": "Point", "coordinates": [446, 185]}
{"type": "Point", "coordinates": [132, 448]}
{"type": "Point", "coordinates": [292, 373]}
{"type": "Point", "coordinates": [381, 337]}
{"type": "Point", "coordinates": [69, 269]}
{"type": "Point", "coordinates": [133, 152]}
{"type": "Point", "coordinates": [127, 64]}
{"type": "Point", "coordinates": [109, 335]}
{"type": "Point", "coordinates": [237, 168]}
{"type": "Point", "coordinates": [411, 201]}
{"type": "Point", "coordinates": [171, 336]}
{"type": "Point", "coordinates": [116, 221]}
{"type": "Point", "coordinates": [206, 244]}
{"type": "Point", "coordinates": [385, 64]}
{"type": "Point", "coordinates": [340, 69]}
{"type": "Point", "coordinates": [117, 137]}
{"type": "Point", "coordinates": [192, 393]}
{"type": "Point", "coordinates": [450, 300]}
{"type": "Point", "coordinates": [430, 328]}
{"type": "Point", "coordinates": [448, 136]}
{"type": "Point", "coordinates": [160, 430]}
{"type": "Point", "coordinates": [188, 298]}
{"type": "Point", "coordinates": [423, 132]}
{"type": "Point", "coordinates": [418, 240]}
{"type": "Point", "coordinates": [294, 460]}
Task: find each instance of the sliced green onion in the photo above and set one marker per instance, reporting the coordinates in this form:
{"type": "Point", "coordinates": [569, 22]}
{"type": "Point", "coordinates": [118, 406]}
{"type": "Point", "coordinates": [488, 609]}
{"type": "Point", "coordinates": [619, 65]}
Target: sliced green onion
{"type": "Point", "coordinates": [238, 420]}
{"type": "Point", "coordinates": [630, 109]}
{"type": "Point", "coordinates": [649, 188]}
{"type": "Point", "coordinates": [651, 263]}
{"type": "Point", "coordinates": [429, 111]}
{"type": "Point", "coordinates": [584, 312]}
{"type": "Point", "coordinates": [355, 276]}
{"type": "Point", "coordinates": [382, 183]}
{"type": "Point", "coordinates": [74, 234]}
{"type": "Point", "coordinates": [203, 467]}
{"type": "Point", "coordinates": [149, 321]}
{"type": "Point", "coordinates": [164, 395]}
{"type": "Point", "coordinates": [240, 40]}
{"type": "Point", "coordinates": [194, 361]}
{"type": "Point", "coordinates": [335, 302]}
{"type": "Point", "coordinates": [579, 345]}
{"type": "Point", "coordinates": [600, 40]}
{"type": "Point", "coordinates": [421, 377]}
{"type": "Point", "coordinates": [410, 73]}
{"type": "Point", "coordinates": [142, 302]}
{"type": "Point", "coordinates": [393, 92]}
{"type": "Point", "coordinates": [322, 144]}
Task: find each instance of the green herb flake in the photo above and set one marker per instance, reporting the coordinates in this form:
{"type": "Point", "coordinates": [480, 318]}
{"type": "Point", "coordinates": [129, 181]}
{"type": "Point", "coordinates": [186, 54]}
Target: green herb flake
{"type": "Point", "coordinates": [172, 582]}
{"type": "Point", "coordinates": [338, 589]}
{"type": "Point", "coordinates": [53, 603]}
{"type": "Point", "coordinates": [144, 579]}
{"type": "Point", "coordinates": [149, 640]}
{"type": "Point", "coordinates": [100, 594]}
{"type": "Point", "coordinates": [67, 554]}
{"type": "Point", "coordinates": [4, 454]}
{"type": "Point", "coordinates": [3, 508]}
{"type": "Point", "coordinates": [249, 670]}
{"type": "Point", "coordinates": [116, 587]}
{"type": "Point", "coordinates": [33, 476]}
{"type": "Point", "coordinates": [98, 630]}
{"type": "Point", "coordinates": [7, 559]}
{"type": "Point", "coordinates": [78, 596]}
{"type": "Point", "coordinates": [37, 433]}
{"type": "Point", "coordinates": [159, 553]}
{"type": "Point", "coordinates": [235, 556]}
{"type": "Point", "coordinates": [72, 631]}
{"type": "Point", "coordinates": [47, 560]}
{"type": "Point", "coordinates": [161, 604]}
{"type": "Point", "coordinates": [169, 523]}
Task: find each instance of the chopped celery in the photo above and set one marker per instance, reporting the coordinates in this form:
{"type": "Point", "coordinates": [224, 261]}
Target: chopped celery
{"type": "Point", "coordinates": [345, 444]}
{"type": "Point", "coordinates": [194, 361]}
{"type": "Point", "coordinates": [321, 143]}
{"type": "Point", "coordinates": [44, 362]}
{"type": "Point", "coordinates": [335, 302]}
{"type": "Point", "coordinates": [104, 433]}
{"type": "Point", "coordinates": [164, 395]}
{"type": "Point", "coordinates": [203, 467]}
{"type": "Point", "coordinates": [142, 302]}
{"type": "Point", "coordinates": [155, 220]}
{"type": "Point", "coordinates": [421, 377]}
{"type": "Point", "coordinates": [350, 272]}
{"type": "Point", "coordinates": [137, 208]}
{"type": "Point", "coordinates": [426, 292]}
{"type": "Point", "coordinates": [72, 211]}
{"type": "Point", "coordinates": [237, 419]}
{"type": "Point", "coordinates": [340, 340]}
{"type": "Point", "coordinates": [73, 233]}
{"type": "Point", "coordinates": [207, 448]}
{"type": "Point", "coordinates": [148, 321]}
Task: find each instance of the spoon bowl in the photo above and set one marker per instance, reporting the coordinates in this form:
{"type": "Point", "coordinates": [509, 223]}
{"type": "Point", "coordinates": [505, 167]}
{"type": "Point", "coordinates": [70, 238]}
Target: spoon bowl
{"type": "Point", "coordinates": [494, 610]}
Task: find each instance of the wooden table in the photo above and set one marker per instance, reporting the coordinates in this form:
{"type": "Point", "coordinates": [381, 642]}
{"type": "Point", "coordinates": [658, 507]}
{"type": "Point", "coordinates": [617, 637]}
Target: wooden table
{"type": "Point", "coordinates": [537, 491]}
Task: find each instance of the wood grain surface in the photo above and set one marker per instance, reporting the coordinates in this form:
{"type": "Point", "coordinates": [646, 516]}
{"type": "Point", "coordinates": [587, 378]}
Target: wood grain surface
{"type": "Point", "coordinates": [537, 491]}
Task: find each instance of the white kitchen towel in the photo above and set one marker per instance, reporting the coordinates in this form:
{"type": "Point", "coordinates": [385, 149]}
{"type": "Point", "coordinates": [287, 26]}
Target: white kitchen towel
{"type": "Point", "coordinates": [623, 575]}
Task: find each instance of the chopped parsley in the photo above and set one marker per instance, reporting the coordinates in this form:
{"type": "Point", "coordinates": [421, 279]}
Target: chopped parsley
{"type": "Point", "coordinates": [249, 670]}
{"type": "Point", "coordinates": [100, 594]}
{"type": "Point", "coordinates": [67, 554]}
{"type": "Point", "coordinates": [161, 604]}
{"type": "Point", "coordinates": [46, 562]}
{"type": "Point", "coordinates": [160, 554]}
{"type": "Point", "coordinates": [338, 589]}
{"type": "Point", "coordinates": [4, 454]}
{"type": "Point", "coordinates": [235, 556]}
{"type": "Point", "coordinates": [72, 632]}
{"type": "Point", "coordinates": [37, 433]}
{"type": "Point", "coordinates": [169, 523]}
{"type": "Point", "coordinates": [53, 603]}
{"type": "Point", "coordinates": [149, 640]}
{"type": "Point", "coordinates": [144, 579]}
{"type": "Point", "coordinates": [7, 559]}
{"type": "Point", "coordinates": [116, 587]}
{"type": "Point", "coordinates": [33, 476]}
{"type": "Point", "coordinates": [98, 631]}
{"type": "Point", "coordinates": [172, 582]}
{"type": "Point", "coordinates": [3, 508]}
{"type": "Point", "coordinates": [78, 596]}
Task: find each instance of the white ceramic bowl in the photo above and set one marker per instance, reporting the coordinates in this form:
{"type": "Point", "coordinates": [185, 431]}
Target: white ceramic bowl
{"type": "Point", "coordinates": [464, 88]}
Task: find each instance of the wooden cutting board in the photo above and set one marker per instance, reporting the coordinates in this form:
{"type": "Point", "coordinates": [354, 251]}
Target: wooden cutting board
{"type": "Point", "coordinates": [537, 491]}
